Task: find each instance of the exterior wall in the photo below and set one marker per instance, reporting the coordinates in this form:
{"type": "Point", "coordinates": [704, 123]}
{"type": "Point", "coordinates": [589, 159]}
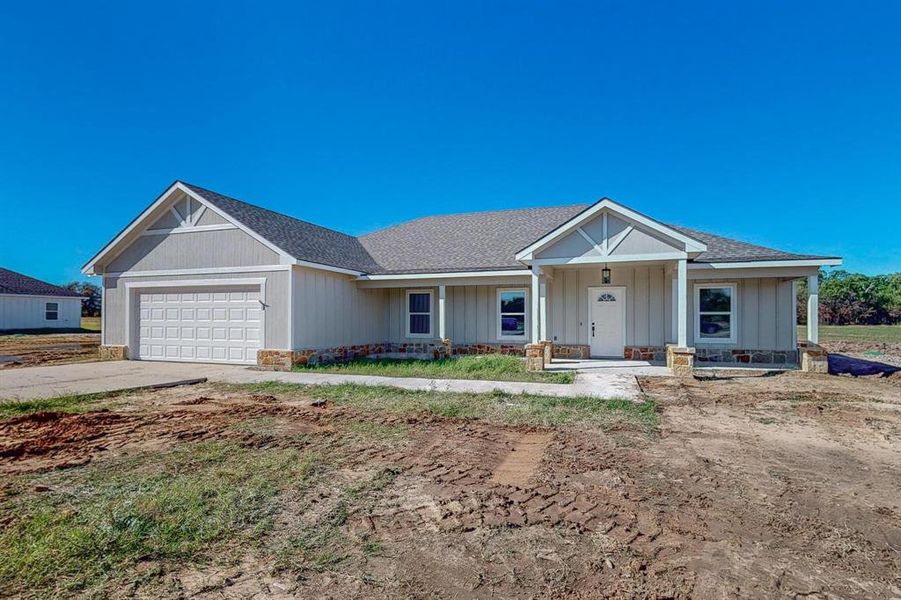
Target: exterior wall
{"type": "Point", "coordinates": [646, 290]}
{"type": "Point", "coordinates": [636, 242]}
{"type": "Point", "coordinates": [330, 311]}
{"type": "Point", "coordinates": [765, 312]}
{"type": "Point", "coordinates": [27, 312]}
{"type": "Point", "coordinates": [766, 308]}
{"type": "Point", "coordinates": [277, 321]}
{"type": "Point", "coordinates": [225, 248]}
{"type": "Point", "coordinates": [471, 314]}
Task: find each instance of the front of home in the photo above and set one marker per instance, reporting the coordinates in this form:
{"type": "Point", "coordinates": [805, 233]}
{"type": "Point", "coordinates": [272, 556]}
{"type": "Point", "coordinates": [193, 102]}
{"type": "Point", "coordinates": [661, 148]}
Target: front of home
{"type": "Point", "coordinates": [199, 276]}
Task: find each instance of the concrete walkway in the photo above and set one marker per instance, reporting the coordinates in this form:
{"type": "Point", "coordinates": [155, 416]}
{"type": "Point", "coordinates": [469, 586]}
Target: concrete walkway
{"type": "Point", "coordinates": [85, 378]}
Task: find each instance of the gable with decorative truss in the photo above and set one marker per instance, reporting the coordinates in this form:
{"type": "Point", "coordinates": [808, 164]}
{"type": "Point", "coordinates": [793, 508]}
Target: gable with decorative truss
{"type": "Point", "coordinates": [609, 232]}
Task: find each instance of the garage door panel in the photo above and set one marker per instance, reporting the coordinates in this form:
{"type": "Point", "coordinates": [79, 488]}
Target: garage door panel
{"type": "Point", "coordinates": [197, 325]}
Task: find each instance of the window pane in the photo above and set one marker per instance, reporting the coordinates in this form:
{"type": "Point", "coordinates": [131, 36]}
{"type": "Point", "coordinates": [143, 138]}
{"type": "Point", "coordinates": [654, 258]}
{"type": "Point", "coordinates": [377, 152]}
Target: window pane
{"type": "Point", "coordinates": [52, 306]}
{"type": "Point", "coordinates": [715, 299]}
{"type": "Point", "coordinates": [716, 326]}
{"type": "Point", "coordinates": [513, 325]}
{"type": "Point", "coordinates": [513, 302]}
{"type": "Point", "coordinates": [419, 303]}
{"type": "Point", "coordinates": [419, 324]}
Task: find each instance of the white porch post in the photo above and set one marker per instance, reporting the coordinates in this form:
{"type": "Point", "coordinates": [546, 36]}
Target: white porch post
{"type": "Point", "coordinates": [682, 304]}
{"type": "Point", "coordinates": [542, 307]}
{"type": "Point", "coordinates": [442, 313]}
{"type": "Point", "coordinates": [536, 274]}
{"type": "Point", "coordinates": [813, 309]}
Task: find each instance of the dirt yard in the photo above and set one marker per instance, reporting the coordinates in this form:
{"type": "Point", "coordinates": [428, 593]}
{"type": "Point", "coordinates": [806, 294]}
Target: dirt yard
{"type": "Point", "coordinates": [784, 486]}
{"type": "Point", "coordinates": [48, 349]}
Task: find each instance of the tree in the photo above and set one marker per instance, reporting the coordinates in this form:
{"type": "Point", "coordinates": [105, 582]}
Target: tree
{"type": "Point", "coordinates": [90, 307]}
{"type": "Point", "coordinates": [855, 299]}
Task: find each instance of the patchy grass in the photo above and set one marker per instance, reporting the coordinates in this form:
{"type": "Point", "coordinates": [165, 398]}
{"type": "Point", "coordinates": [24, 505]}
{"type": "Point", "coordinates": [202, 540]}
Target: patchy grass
{"type": "Point", "coordinates": [889, 334]}
{"type": "Point", "coordinates": [497, 407]}
{"type": "Point", "coordinates": [76, 403]}
{"type": "Point", "coordinates": [494, 367]}
{"type": "Point", "coordinates": [90, 323]}
{"type": "Point", "coordinates": [193, 502]}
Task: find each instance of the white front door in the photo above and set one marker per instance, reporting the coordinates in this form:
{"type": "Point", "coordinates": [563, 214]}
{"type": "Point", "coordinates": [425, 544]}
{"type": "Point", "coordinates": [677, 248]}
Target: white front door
{"type": "Point", "coordinates": [606, 321]}
{"type": "Point", "coordinates": [200, 324]}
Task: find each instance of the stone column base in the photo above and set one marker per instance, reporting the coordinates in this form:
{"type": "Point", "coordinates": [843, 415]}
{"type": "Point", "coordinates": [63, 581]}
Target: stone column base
{"type": "Point", "coordinates": [548, 351]}
{"type": "Point", "coordinates": [448, 348]}
{"type": "Point", "coordinates": [275, 360]}
{"type": "Point", "coordinates": [681, 361]}
{"type": "Point", "coordinates": [113, 352]}
{"type": "Point", "coordinates": [814, 358]}
{"type": "Point", "coordinates": [535, 357]}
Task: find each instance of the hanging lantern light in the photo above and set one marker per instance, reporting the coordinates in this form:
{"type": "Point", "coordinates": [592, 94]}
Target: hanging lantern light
{"type": "Point", "coordinates": [605, 275]}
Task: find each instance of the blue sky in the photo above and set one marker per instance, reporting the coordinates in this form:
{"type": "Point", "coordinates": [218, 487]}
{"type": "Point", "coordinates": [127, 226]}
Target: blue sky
{"type": "Point", "coordinates": [355, 116]}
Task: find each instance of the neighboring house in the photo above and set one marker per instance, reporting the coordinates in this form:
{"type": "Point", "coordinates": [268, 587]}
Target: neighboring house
{"type": "Point", "coordinates": [29, 303]}
{"type": "Point", "coordinates": [199, 276]}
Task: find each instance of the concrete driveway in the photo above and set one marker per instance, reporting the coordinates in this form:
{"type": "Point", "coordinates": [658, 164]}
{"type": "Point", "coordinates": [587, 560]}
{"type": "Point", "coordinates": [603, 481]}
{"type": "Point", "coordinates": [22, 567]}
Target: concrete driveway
{"type": "Point", "coordinates": [87, 378]}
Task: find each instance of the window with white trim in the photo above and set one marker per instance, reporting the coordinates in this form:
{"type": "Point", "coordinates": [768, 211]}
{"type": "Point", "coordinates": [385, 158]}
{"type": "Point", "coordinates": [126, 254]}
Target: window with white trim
{"type": "Point", "coordinates": [511, 314]}
{"type": "Point", "coordinates": [51, 311]}
{"type": "Point", "coordinates": [419, 313]}
{"type": "Point", "coordinates": [715, 313]}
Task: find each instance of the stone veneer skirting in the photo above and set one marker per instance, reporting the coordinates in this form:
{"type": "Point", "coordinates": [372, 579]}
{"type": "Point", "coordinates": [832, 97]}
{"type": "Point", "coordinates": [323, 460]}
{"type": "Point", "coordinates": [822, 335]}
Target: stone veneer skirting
{"type": "Point", "coordinates": [644, 353]}
{"type": "Point", "coordinates": [285, 359]}
{"type": "Point", "coordinates": [721, 355]}
{"type": "Point", "coordinates": [113, 352]}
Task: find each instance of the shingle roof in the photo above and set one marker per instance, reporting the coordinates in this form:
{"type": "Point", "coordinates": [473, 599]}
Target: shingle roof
{"type": "Point", "coordinates": [477, 241]}
{"type": "Point", "coordinates": [300, 239]}
{"type": "Point", "coordinates": [16, 283]}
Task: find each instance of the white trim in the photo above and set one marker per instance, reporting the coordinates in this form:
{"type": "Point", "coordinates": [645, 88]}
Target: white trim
{"type": "Point", "coordinates": [47, 310]}
{"type": "Point", "coordinates": [682, 304]}
{"type": "Point", "coordinates": [733, 313]}
{"type": "Point", "coordinates": [174, 211]}
{"type": "Point", "coordinates": [590, 240]}
{"type": "Point", "coordinates": [536, 277]}
{"type": "Point", "coordinates": [588, 336]}
{"type": "Point", "coordinates": [525, 334]}
{"type": "Point", "coordinates": [312, 265]}
{"type": "Point", "coordinates": [586, 260]}
{"type": "Point", "coordinates": [189, 229]}
{"type": "Point", "coordinates": [291, 307]}
{"type": "Point", "coordinates": [819, 262]}
{"type": "Point", "coordinates": [619, 238]}
{"type": "Point", "coordinates": [201, 271]}
{"type": "Point", "coordinates": [131, 286]}
{"type": "Point", "coordinates": [431, 294]}
{"type": "Point", "coordinates": [198, 214]}
{"type": "Point", "coordinates": [407, 276]}
{"type": "Point", "coordinates": [442, 312]}
{"type": "Point", "coordinates": [794, 284]}
{"type": "Point", "coordinates": [691, 244]}
{"type": "Point", "coordinates": [813, 309]}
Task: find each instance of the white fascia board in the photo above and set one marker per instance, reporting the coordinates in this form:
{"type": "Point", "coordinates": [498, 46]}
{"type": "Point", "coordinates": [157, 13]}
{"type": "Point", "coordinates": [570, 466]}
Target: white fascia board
{"type": "Point", "coordinates": [53, 298]}
{"type": "Point", "coordinates": [819, 262]}
{"type": "Point", "coordinates": [414, 276]}
{"type": "Point", "coordinates": [201, 271]}
{"type": "Point", "coordinates": [139, 222]}
{"type": "Point", "coordinates": [321, 267]}
{"type": "Point", "coordinates": [600, 260]}
{"type": "Point", "coordinates": [691, 244]}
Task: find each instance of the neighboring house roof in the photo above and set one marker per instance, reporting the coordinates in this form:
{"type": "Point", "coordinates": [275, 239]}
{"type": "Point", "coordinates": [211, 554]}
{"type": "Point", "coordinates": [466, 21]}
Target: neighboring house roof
{"type": "Point", "coordinates": [16, 283]}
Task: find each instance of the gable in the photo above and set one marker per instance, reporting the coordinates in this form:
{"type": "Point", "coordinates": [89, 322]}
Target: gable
{"type": "Point", "coordinates": [608, 234]}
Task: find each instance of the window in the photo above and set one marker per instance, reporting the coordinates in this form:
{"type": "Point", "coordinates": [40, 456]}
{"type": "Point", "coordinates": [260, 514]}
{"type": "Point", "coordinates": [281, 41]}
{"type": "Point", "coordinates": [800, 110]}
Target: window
{"type": "Point", "coordinates": [419, 313]}
{"type": "Point", "coordinates": [511, 314]}
{"type": "Point", "coordinates": [715, 313]}
{"type": "Point", "coordinates": [51, 311]}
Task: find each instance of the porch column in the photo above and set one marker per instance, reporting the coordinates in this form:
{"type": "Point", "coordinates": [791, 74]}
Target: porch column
{"type": "Point", "coordinates": [682, 304]}
{"type": "Point", "coordinates": [536, 332]}
{"type": "Point", "coordinates": [813, 309]}
{"type": "Point", "coordinates": [442, 313]}
{"type": "Point", "coordinates": [542, 307]}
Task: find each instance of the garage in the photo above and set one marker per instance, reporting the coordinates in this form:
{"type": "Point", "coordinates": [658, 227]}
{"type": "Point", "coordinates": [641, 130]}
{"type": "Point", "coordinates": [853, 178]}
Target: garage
{"type": "Point", "coordinates": [200, 324]}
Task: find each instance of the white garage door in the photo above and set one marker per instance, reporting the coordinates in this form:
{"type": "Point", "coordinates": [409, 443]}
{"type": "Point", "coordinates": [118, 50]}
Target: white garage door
{"type": "Point", "coordinates": [201, 325]}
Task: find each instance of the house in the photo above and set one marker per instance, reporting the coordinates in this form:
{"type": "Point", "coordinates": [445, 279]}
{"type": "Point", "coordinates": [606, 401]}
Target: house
{"type": "Point", "coordinates": [198, 276]}
{"type": "Point", "coordinates": [29, 303]}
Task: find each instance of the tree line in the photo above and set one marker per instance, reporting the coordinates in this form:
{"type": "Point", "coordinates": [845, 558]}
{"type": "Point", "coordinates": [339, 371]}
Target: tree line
{"type": "Point", "coordinates": [855, 299]}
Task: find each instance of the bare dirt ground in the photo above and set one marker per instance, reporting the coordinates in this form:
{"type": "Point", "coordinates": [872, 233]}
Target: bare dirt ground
{"type": "Point", "coordinates": [48, 349]}
{"type": "Point", "coordinates": [888, 353]}
{"type": "Point", "coordinates": [784, 486]}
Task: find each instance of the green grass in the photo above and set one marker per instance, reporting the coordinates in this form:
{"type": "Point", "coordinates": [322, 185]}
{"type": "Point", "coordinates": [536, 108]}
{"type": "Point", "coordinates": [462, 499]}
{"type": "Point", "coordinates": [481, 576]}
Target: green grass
{"type": "Point", "coordinates": [76, 403]}
{"type": "Point", "coordinates": [193, 502]}
{"type": "Point", "coordinates": [494, 367]}
{"type": "Point", "coordinates": [889, 334]}
{"type": "Point", "coordinates": [90, 323]}
{"type": "Point", "coordinates": [497, 407]}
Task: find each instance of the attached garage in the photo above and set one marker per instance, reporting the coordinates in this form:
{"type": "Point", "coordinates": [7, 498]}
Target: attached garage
{"type": "Point", "coordinates": [219, 323]}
